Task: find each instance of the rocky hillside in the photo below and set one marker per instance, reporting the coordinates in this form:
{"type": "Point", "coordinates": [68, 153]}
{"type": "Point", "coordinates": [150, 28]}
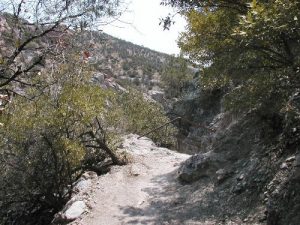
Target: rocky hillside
{"type": "Point", "coordinates": [128, 63]}
{"type": "Point", "coordinates": [249, 160]}
{"type": "Point", "coordinates": [110, 57]}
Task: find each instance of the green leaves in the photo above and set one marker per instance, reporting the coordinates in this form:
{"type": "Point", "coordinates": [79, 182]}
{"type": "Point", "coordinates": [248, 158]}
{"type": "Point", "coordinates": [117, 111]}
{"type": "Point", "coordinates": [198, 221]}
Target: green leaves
{"type": "Point", "coordinates": [253, 51]}
{"type": "Point", "coordinates": [141, 115]}
{"type": "Point", "coordinates": [175, 76]}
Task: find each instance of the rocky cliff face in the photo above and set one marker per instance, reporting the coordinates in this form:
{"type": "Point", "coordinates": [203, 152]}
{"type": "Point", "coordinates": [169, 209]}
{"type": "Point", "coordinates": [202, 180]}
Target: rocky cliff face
{"type": "Point", "coordinates": [250, 160]}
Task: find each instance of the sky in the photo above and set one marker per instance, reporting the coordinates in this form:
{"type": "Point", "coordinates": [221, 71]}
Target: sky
{"type": "Point", "coordinates": [139, 24]}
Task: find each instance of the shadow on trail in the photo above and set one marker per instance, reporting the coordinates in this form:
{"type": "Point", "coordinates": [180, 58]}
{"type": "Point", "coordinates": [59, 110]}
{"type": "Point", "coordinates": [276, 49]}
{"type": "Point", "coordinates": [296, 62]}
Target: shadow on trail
{"type": "Point", "coordinates": [172, 203]}
{"type": "Point", "coordinates": [203, 202]}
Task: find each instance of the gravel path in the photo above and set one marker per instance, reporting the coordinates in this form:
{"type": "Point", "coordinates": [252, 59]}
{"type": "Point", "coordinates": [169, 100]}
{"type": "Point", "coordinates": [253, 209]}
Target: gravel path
{"type": "Point", "coordinates": [136, 193]}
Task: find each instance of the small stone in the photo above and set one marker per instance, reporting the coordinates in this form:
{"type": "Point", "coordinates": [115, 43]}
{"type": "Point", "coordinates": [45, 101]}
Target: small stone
{"type": "Point", "coordinates": [134, 170]}
{"type": "Point", "coordinates": [241, 177]}
{"type": "Point", "coordinates": [75, 210]}
{"type": "Point", "coordinates": [238, 189]}
{"type": "Point", "coordinates": [296, 175]}
{"type": "Point", "coordinates": [176, 164]}
{"type": "Point", "coordinates": [220, 171]}
{"type": "Point", "coordinates": [290, 159]}
{"type": "Point", "coordinates": [141, 203]}
{"type": "Point", "coordinates": [283, 166]}
{"type": "Point", "coordinates": [262, 218]}
{"type": "Point", "coordinates": [245, 220]}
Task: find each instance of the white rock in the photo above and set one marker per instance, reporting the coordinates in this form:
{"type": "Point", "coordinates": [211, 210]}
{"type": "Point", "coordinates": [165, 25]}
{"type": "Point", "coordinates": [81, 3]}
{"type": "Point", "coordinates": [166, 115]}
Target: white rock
{"type": "Point", "coordinates": [135, 170]}
{"type": "Point", "coordinates": [290, 159]}
{"type": "Point", "coordinates": [75, 210]}
{"type": "Point", "coordinates": [220, 172]}
{"type": "Point", "coordinates": [241, 177]}
{"type": "Point", "coordinates": [283, 166]}
{"type": "Point", "coordinates": [83, 185]}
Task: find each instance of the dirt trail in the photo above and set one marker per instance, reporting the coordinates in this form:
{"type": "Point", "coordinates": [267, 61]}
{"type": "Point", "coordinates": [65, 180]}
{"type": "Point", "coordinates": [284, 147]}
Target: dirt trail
{"type": "Point", "coordinates": [136, 193]}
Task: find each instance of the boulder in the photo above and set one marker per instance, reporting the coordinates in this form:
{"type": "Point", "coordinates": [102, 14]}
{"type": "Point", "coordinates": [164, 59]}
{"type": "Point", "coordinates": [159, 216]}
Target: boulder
{"type": "Point", "coordinates": [98, 78]}
{"type": "Point", "coordinates": [157, 95]}
{"type": "Point", "coordinates": [75, 210]}
{"type": "Point", "coordinates": [222, 175]}
{"type": "Point", "coordinates": [199, 166]}
{"type": "Point", "coordinates": [79, 202]}
{"type": "Point", "coordinates": [83, 185]}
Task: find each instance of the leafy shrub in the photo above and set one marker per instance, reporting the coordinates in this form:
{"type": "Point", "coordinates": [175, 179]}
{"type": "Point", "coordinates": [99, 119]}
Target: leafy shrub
{"type": "Point", "coordinates": [142, 114]}
{"type": "Point", "coordinates": [46, 144]}
{"type": "Point", "coordinates": [175, 77]}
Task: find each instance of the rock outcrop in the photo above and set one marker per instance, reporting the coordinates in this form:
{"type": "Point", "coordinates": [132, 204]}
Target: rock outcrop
{"type": "Point", "coordinates": [251, 159]}
{"type": "Point", "coordinates": [199, 166]}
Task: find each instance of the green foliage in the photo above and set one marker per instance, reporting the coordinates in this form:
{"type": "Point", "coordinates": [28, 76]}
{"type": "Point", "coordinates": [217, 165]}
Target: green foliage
{"type": "Point", "coordinates": [72, 126]}
{"type": "Point", "coordinates": [142, 114]}
{"type": "Point", "coordinates": [30, 28]}
{"type": "Point", "coordinates": [249, 47]}
{"type": "Point", "coordinates": [175, 77]}
{"type": "Point", "coordinates": [47, 142]}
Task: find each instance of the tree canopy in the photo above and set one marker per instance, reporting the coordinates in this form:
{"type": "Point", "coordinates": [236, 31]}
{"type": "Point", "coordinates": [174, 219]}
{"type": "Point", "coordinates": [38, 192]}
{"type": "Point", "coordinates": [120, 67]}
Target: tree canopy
{"type": "Point", "coordinates": [176, 76]}
{"type": "Point", "coordinates": [38, 31]}
{"type": "Point", "coordinates": [250, 47]}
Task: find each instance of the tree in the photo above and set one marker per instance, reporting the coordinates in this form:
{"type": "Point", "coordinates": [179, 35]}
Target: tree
{"type": "Point", "coordinates": [249, 47]}
{"type": "Point", "coordinates": [47, 142]}
{"type": "Point", "coordinates": [175, 76]}
{"type": "Point", "coordinates": [36, 32]}
{"type": "Point", "coordinates": [141, 114]}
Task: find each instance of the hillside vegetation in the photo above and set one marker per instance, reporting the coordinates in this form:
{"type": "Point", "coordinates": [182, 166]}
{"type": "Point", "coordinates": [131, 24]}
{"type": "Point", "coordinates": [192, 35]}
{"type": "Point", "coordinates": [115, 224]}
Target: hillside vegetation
{"type": "Point", "coordinates": [62, 109]}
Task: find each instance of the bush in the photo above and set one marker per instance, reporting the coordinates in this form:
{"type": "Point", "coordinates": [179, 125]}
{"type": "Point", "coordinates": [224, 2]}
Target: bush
{"type": "Point", "coordinates": [142, 114]}
{"type": "Point", "coordinates": [175, 77]}
{"type": "Point", "coordinates": [46, 144]}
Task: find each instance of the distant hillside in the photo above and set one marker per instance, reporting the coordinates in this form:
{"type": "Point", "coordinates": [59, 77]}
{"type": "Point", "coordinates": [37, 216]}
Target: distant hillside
{"type": "Point", "coordinates": [128, 63]}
